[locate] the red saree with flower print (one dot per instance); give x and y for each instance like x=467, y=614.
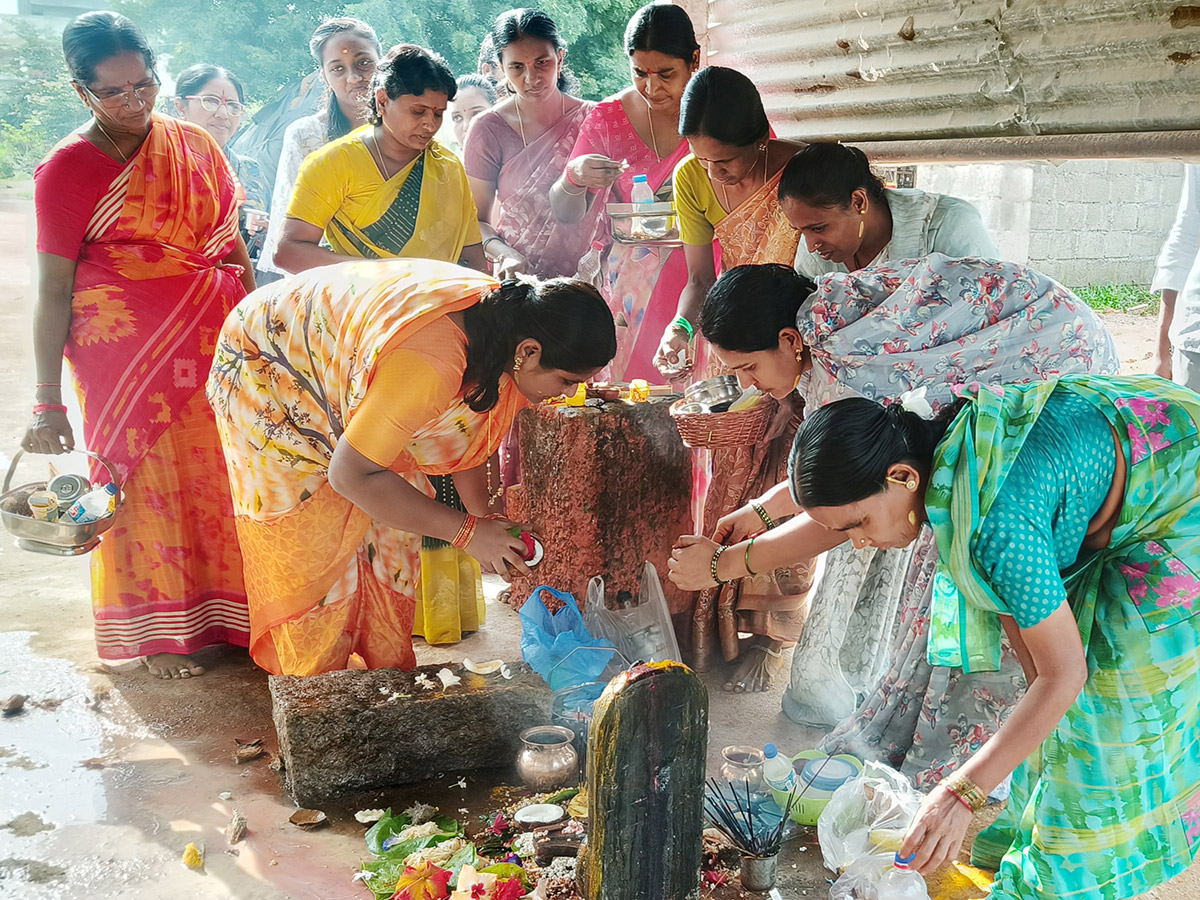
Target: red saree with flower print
x=150, y=295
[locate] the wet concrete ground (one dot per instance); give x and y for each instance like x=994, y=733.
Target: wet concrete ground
x=106, y=776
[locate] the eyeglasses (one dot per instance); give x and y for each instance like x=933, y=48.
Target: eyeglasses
x=211, y=103
x=143, y=93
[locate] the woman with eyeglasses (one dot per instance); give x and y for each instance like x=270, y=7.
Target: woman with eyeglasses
x=212, y=97
x=139, y=262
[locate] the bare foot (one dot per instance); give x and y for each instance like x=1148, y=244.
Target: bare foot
x=172, y=665
x=761, y=665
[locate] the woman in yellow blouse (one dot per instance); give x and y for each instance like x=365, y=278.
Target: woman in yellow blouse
x=340, y=395
x=387, y=189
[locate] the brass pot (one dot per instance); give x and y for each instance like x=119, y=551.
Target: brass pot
x=547, y=759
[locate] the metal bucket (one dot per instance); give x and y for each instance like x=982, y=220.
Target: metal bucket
x=57, y=538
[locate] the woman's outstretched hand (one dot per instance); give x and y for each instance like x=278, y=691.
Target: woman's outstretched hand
x=48, y=432
x=690, y=565
x=496, y=549
x=937, y=831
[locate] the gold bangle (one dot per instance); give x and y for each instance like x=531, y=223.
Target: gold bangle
x=966, y=790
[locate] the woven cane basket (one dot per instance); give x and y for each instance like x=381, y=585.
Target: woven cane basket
x=726, y=429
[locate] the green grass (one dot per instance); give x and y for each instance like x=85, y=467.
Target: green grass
x=1130, y=298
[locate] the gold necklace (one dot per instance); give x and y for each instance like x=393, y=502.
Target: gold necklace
x=653, y=139
x=124, y=158
x=521, y=122
x=725, y=193
x=377, y=154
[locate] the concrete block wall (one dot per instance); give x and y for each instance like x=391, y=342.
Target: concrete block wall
x=1083, y=222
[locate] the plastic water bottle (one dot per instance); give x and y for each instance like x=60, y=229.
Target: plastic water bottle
x=777, y=770
x=902, y=883
x=589, y=266
x=651, y=226
x=94, y=505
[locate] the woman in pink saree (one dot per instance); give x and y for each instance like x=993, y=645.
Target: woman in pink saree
x=636, y=132
x=516, y=150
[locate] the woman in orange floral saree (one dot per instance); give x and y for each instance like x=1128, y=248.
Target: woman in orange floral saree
x=726, y=193
x=338, y=392
x=139, y=261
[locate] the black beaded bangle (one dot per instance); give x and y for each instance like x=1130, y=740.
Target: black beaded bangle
x=716, y=556
x=763, y=514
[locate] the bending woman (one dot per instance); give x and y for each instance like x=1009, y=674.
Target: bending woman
x=636, y=132
x=338, y=392
x=388, y=189
x=849, y=220
x=726, y=196
x=1066, y=516
x=925, y=324
x=136, y=274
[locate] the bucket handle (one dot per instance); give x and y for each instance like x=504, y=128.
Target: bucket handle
x=112, y=470
x=624, y=658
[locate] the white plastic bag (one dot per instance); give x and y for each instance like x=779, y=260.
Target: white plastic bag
x=643, y=632
x=867, y=816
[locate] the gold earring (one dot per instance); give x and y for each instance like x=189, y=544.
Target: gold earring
x=911, y=484
x=517, y=363
x=912, y=517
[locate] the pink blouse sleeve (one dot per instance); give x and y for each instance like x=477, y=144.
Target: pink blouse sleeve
x=483, y=156
x=593, y=135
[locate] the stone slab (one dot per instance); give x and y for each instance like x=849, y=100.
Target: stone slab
x=350, y=731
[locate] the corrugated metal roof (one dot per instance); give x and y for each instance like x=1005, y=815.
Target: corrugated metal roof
x=953, y=69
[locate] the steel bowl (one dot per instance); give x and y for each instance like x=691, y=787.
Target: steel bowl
x=713, y=391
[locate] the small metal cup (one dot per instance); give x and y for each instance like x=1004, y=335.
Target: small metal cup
x=759, y=873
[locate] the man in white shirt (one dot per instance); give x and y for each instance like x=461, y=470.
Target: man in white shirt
x=1177, y=277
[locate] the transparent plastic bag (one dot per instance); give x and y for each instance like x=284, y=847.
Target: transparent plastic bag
x=643, y=632
x=867, y=816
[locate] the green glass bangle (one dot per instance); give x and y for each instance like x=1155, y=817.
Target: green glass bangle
x=747, y=560
x=681, y=322
x=716, y=556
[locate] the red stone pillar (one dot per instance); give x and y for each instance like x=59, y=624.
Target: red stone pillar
x=605, y=489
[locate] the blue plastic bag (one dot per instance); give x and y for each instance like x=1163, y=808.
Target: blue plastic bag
x=547, y=641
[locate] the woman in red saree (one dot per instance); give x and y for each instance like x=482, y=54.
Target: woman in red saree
x=140, y=260
x=516, y=150
x=636, y=132
x=726, y=193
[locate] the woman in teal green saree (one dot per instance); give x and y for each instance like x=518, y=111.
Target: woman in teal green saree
x=1065, y=513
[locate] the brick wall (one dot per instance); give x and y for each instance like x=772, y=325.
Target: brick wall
x=1081, y=221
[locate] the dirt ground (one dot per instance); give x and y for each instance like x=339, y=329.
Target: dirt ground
x=108, y=775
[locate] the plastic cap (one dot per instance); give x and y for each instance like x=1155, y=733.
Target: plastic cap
x=637, y=178
x=770, y=751
x=902, y=862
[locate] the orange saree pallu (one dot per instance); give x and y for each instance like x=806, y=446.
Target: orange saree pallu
x=150, y=295
x=293, y=363
x=771, y=603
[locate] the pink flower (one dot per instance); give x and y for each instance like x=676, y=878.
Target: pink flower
x=1137, y=593
x=1151, y=412
x=1178, y=590
x=1135, y=572
x=1176, y=566
x=1154, y=548
x=1138, y=443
